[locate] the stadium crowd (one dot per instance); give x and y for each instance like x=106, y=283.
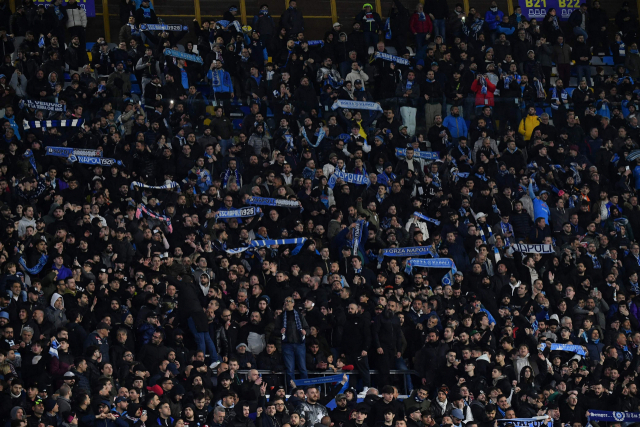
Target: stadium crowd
x=184, y=233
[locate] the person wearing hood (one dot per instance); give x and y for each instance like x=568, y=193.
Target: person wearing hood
x=371, y=24
x=55, y=313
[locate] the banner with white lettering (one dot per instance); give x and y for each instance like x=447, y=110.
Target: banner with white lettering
x=533, y=249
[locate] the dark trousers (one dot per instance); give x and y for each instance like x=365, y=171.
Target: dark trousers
x=385, y=363
x=564, y=72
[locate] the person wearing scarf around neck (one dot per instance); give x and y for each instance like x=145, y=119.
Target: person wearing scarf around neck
x=484, y=90
x=294, y=330
x=421, y=26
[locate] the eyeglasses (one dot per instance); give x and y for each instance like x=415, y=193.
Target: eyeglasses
x=288, y=301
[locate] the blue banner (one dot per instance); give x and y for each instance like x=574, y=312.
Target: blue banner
x=183, y=55
x=356, y=105
x=427, y=155
x=538, y=8
x=564, y=347
x=613, y=416
x=348, y=177
x=66, y=152
x=261, y=243
x=392, y=58
x=318, y=380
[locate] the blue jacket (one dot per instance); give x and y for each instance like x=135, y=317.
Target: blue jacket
x=490, y=19
x=223, y=83
x=540, y=208
x=456, y=125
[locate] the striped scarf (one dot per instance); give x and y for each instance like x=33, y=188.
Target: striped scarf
x=45, y=124
x=143, y=209
x=170, y=186
x=227, y=174
x=284, y=324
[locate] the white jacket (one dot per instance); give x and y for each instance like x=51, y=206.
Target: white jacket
x=76, y=18
x=421, y=225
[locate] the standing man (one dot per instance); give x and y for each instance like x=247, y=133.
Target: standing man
x=292, y=20
x=387, y=340
x=76, y=22
x=294, y=330
x=356, y=339
x=438, y=11
x=371, y=24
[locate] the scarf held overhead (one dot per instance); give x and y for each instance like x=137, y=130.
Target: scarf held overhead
x=67, y=152
x=533, y=249
x=183, y=55
x=392, y=58
x=143, y=209
x=356, y=105
x=348, y=177
x=239, y=213
x=49, y=106
x=45, y=124
x=170, y=186
x=267, y=201
x=261, y=243
x=427, y=155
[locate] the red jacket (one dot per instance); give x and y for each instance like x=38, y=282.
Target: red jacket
x=481, y=98
x=418, y=26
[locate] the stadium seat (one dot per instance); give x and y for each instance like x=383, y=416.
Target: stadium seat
x=90, y=46
x=570, y=90
x=608, y=60
x=135, y=88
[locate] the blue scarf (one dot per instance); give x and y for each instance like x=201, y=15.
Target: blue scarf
x=506, y=228
x=348, y=177
x=356, y=235
x=37, y=268
x=320, y=136
x=285, y=323
x=227, y=174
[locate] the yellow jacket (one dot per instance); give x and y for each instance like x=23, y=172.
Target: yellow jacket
x=527, y=125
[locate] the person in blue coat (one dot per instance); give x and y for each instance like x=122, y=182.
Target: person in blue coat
x=493, y=18
x=540, y=207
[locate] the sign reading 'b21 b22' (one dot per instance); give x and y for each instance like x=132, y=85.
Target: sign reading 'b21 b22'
x=538, y=8
x=88, y=5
